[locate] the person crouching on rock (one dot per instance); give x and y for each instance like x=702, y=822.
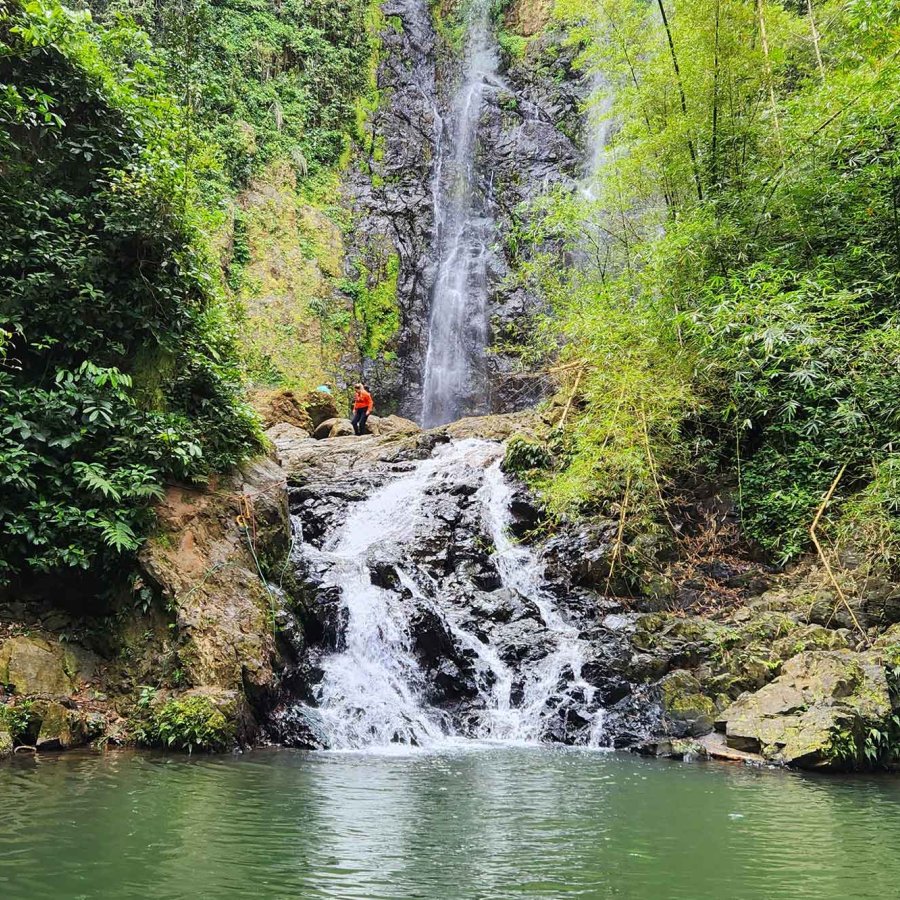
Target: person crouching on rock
x=362, y=408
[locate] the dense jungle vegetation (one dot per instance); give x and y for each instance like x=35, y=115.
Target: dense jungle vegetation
x=126, y=132
x=734, y=309
x=723, y=298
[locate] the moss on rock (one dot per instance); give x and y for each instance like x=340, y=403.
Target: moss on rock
x=821, y=712
x=685, y=704
x=197, y=720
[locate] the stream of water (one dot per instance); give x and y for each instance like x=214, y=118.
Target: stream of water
x=371, y=692
x=458, y=329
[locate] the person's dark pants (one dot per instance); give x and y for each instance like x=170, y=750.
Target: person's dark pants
x=359, y=420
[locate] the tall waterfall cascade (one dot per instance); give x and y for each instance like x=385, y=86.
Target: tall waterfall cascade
x=439, y=625
x=375, y=689
x=458, y=327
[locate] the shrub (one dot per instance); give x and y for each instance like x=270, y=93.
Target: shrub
x=525, y=455
x=188, y=723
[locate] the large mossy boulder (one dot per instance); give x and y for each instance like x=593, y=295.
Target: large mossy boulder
x=287, y=439
x=498, y=427
x=282, y=407
x=205, y=560
x=319, y=407
x=341, y=428
x=820, y=712
x=61, y=728
x=689, y=711
x=384, y=426
x=36, y=666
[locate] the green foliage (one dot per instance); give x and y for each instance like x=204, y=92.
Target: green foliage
x=102, y=265
x=513, y=46
x=19, y=719
x=870, y=518
x=186, y=723
x=524, y=455
x=375, y=306
x=450, y=23
x=240, y=253
x=265, y=81
x=739, y=257
x=868, y=746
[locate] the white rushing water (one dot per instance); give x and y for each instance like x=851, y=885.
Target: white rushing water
x=458, y=327
x=371, y=692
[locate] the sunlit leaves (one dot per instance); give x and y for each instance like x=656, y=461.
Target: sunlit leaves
x=117, y=371
x=778, y=292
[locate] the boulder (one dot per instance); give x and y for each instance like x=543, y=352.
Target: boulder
x=816, y=714
x=281, y=407
x=341, y=428
x=881, y=604
x=35, y=666
x=583, y=556
x=61, y=728
x=287, y=439
x=320, y=407
x=391, y=425
x=294, y=725
x=690, y=712
x=497, y=427
x=6, y=743
x=811, y=637
x=323, y=429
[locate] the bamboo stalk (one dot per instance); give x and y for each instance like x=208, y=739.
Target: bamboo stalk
x=765, y=45
x=815, y=539
x=714, y=165
x=619, y=534
x=815, y=38
x=652, y=465
x=615, y=418
x=683, y=97
x=562, y=419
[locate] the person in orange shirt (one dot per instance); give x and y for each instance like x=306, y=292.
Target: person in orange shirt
x=362, y=408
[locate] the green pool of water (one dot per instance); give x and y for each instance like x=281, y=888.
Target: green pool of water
x=468, y=824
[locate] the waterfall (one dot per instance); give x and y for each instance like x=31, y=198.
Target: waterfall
x=598, y=131
x=375, y=689
x=458, y=328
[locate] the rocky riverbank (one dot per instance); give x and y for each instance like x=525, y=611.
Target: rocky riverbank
x=228, y=624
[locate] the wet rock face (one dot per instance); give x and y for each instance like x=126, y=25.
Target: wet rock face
x=390, y=192
x=527, y=141
x=528, y=144
x=457, y=606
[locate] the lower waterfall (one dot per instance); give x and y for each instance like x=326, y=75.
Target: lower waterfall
x=411, y=663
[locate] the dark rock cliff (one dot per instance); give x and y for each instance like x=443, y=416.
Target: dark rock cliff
x=529, y=139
